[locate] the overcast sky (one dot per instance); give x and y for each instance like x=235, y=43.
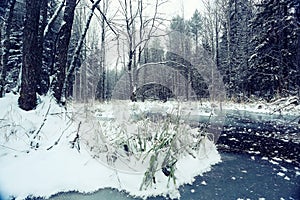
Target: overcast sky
x=171, y=7
x=175, y=7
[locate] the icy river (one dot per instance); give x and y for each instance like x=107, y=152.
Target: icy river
x=239, y=176
x=260, y=160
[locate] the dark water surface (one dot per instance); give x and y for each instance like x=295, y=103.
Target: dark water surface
x=239, y=176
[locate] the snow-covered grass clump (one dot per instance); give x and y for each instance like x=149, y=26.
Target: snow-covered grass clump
x=89, y=147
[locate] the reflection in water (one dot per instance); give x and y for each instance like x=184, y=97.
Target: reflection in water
x=238, y=176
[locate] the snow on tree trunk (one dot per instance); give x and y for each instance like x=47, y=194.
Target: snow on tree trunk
x=62, y=49
x=43, y=75
x=27, y=99
x=53, y=18
x=6, y=45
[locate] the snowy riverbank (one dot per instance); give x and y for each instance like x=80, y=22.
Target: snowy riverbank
x=37, y=157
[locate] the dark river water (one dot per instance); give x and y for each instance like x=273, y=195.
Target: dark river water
x=239, y=176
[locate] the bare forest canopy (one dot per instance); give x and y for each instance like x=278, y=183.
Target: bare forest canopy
x=83, y=50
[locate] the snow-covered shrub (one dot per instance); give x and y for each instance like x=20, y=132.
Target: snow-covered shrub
x=146, y=142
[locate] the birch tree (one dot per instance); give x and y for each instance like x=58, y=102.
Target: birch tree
x=213, y=16
x=102, y=72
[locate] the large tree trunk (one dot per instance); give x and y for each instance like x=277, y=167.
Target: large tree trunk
x=27, y=99
x=1, y=60
x=6, y=45
x=298, y=52
x=43, y=74
x=62, y=49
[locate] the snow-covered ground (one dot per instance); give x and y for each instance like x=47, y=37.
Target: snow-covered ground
x=51, y=150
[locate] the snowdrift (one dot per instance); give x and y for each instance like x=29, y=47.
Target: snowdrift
x=87, y=148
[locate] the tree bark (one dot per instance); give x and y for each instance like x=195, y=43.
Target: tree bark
x=62, y=50
x=42, y=73
x=27, y=99
x=6, y=45
x=298, y=53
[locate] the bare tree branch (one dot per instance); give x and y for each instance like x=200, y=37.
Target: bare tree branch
x=77, y=50
x=53, y=18
x=104, y=17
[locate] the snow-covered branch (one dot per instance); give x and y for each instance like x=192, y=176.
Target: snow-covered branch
x=78, y=49
x=53, y=18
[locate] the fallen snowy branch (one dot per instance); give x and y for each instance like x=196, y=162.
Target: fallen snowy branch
x=76, y=139
x=34, y=144
x=60, y=113
x=44, y=121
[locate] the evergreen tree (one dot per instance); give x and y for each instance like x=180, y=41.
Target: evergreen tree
x=153, y=53
x=195, y=28
x=235, y=46
x=179, y=42
x=156, y=52
x=275, y=62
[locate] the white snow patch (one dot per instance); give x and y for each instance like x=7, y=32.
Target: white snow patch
x=280, y=174
x=277, y=159
x=264, y=158
x=273, y=162
x=203, y=183
x=37, y=159
x=288, y=160
x=284, y=169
